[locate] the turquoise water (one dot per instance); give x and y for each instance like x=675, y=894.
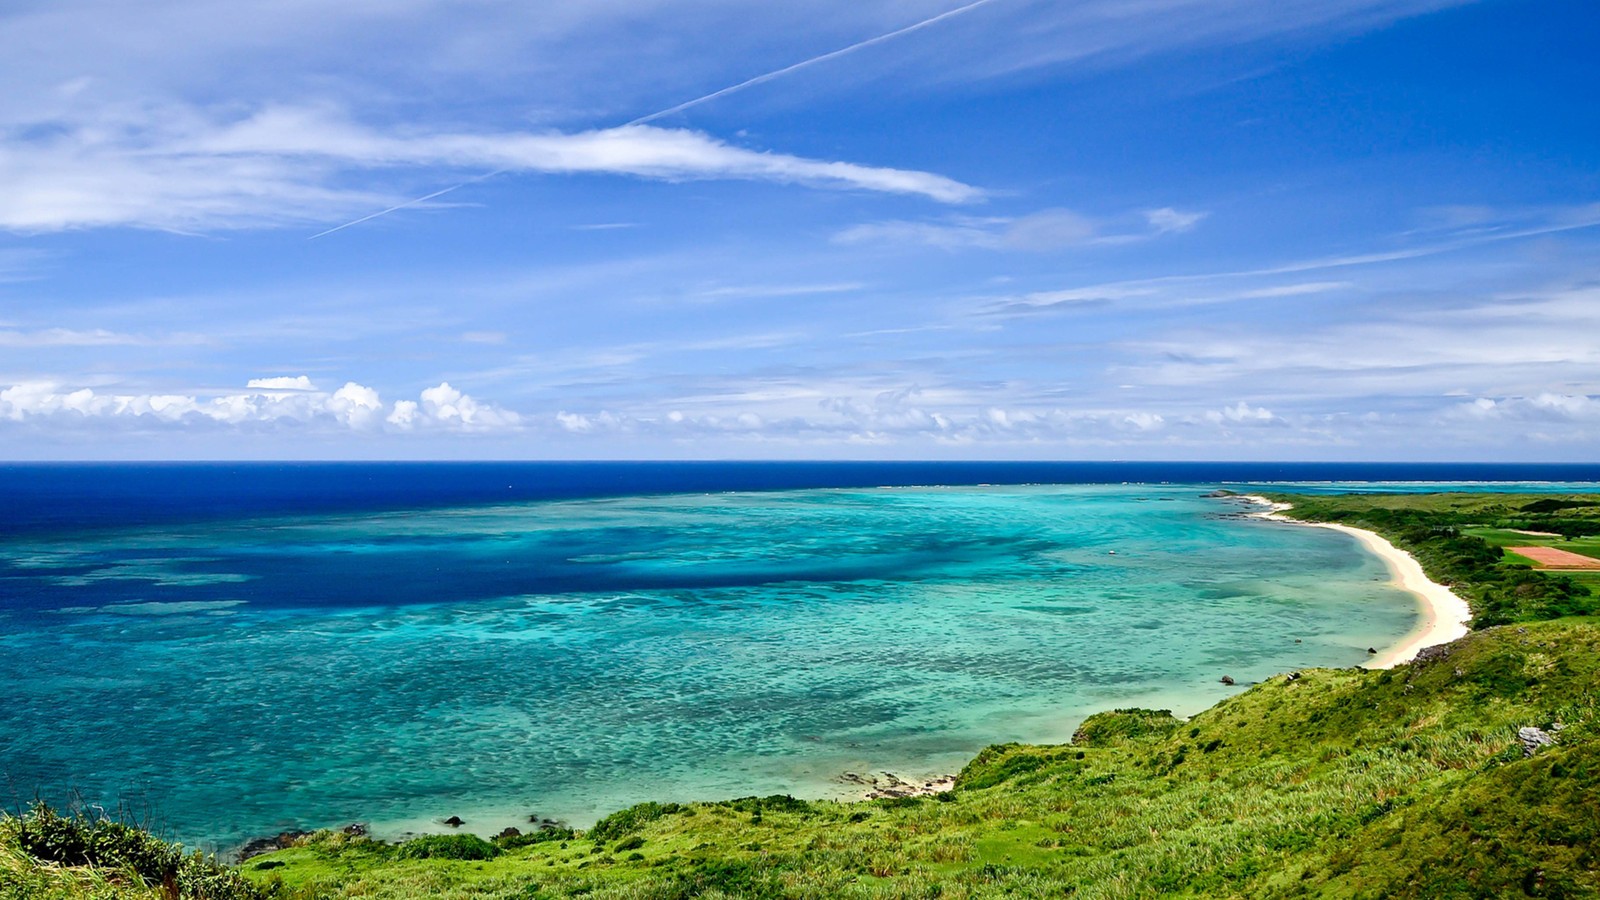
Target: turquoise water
x=567, y=658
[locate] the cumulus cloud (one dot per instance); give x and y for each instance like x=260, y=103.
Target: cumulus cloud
x=177, y=168
x=282, y=383
x=442, y=406
x=355, y=405
x=1145, y=421
x=268, y=402
x=1546, y=407
x=1242, y=413
x=910, y=414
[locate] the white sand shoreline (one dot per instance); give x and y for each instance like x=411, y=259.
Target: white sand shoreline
x=1444, y=615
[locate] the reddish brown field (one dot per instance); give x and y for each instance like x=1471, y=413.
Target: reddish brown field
x=1551, y=558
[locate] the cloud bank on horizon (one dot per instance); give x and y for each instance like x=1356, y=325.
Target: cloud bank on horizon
x=711, y=228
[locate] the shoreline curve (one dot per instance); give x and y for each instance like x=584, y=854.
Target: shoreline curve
x=1445, y=616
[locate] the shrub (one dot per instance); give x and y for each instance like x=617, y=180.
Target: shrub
x=542, y=836
x=770, y=803
x=448, y=846
x=1111, y=728
x=48, y=836
x=627, y=821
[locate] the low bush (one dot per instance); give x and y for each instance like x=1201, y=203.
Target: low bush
x=625, y=822
x=448, y=846
x=106, y=844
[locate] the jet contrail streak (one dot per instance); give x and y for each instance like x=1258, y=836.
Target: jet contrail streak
x=834, y=54
x=687, y=104
x=384, y=212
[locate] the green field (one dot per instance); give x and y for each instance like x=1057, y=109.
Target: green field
x=1503, y=537
x=1411, y=782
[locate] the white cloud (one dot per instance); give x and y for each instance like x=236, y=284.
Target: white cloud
x=1167, y=220
x=1043, y=231
x=355, y=405
x=833, y=414
x=271, y=401
x=1242, y=413
x=1145, y=421
x=442, y=407
x=282, y=383
x=1301, y=289
x=449, y=408
x=591, y=55
x=404, y=416
x=1546, y=407
x=179, y=169
x=67, y=337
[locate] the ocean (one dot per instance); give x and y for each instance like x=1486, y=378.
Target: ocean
x=233, y=650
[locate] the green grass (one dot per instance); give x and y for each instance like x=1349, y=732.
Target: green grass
x=1407, y=783
x=1502, y=537
x=47, y=855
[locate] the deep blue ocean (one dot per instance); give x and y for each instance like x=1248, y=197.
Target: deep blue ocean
x=81, y=495
x=239, y=649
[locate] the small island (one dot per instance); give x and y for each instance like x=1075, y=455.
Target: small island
x=1470, y=769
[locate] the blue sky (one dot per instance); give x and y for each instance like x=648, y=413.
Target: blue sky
x=1083, y=229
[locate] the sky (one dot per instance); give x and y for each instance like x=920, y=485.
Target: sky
x=874, y=229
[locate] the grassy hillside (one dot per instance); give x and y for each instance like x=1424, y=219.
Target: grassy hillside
x=1412, y=782
x=46, y=856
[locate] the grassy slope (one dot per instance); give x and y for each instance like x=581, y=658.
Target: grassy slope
x=1340, y=783
x=46, y=856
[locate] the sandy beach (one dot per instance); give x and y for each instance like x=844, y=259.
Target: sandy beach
x=1444, y=615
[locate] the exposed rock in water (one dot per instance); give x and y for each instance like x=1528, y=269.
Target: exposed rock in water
x=1373, y=650
x=282, y=841
x=509, y=832
x=1227, y=679
x=892, y=786
x=355, y=829
x=454, y=822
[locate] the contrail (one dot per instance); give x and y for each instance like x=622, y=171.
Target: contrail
x=834, y=54
x=422, y=199
x=687, y=104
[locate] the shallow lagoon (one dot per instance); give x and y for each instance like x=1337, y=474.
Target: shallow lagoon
x=567, y=658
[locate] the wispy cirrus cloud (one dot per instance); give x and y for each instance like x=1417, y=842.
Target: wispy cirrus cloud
x=1043, y=231
x=94, y=337
x=586, y=56
x=177, y=168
